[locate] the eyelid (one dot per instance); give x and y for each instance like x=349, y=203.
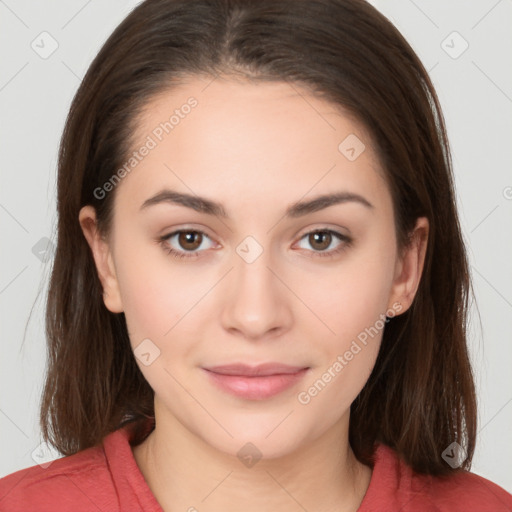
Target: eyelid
x=324, y=227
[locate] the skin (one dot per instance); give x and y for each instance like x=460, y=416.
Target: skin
x=255, y=148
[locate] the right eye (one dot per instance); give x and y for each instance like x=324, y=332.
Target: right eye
x=186, y=243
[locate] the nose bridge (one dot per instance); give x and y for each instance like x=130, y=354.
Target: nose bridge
x=255, y=303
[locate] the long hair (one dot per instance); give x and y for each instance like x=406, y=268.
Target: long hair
x=420, y=396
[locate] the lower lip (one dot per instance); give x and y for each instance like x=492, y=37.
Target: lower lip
x=256, y=388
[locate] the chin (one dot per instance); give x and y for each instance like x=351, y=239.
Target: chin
x=267, y=439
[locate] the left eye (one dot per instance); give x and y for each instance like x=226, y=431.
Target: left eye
x=320, y=240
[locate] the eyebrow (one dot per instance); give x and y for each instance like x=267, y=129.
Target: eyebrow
x=297, y=209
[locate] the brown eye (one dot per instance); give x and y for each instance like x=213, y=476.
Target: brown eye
x=325, y=242
x=320, y=240
x=186, y=243
x=190, y=240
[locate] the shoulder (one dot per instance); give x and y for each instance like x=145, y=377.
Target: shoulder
x=77, y=482
x=467, y=491
x=395, y=486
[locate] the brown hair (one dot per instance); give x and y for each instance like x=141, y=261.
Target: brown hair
x=420, y=396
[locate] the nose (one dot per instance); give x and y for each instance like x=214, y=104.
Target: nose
x=257, y=303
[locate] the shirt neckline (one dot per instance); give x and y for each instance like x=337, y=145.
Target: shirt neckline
x=130, y=482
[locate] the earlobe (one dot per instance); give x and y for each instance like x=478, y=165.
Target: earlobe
x=409, y=267
x=102, y=255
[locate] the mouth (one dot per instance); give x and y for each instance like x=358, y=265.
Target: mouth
x=255, y=382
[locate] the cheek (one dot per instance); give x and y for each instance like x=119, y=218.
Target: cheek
x=330, y=392
x=156, y=292
x=351, y=301
x=163, y=306
x=353, y=306
x=351, y=296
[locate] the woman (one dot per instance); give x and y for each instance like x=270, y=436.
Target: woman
x=260, y=287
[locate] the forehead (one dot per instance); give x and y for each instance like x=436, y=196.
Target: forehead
x=233, y=139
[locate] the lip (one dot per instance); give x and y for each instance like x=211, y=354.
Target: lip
x=255, y=382
x=262, y=370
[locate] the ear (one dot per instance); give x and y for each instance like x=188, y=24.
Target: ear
x=103, y=258
x=409, y=266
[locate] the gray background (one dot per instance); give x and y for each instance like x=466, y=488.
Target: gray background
x=475, y=90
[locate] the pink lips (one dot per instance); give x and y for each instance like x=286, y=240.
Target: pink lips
x=255, y=382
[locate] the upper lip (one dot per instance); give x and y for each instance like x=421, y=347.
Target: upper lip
x=258, y=370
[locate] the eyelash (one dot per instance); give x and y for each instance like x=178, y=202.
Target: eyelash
x=347, y=242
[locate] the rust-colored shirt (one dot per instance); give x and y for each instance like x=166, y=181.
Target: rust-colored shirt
x=106, y=478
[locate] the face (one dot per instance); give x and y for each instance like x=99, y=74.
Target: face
x=250, y=267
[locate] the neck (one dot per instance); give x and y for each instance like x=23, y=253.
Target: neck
x=186, y=473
